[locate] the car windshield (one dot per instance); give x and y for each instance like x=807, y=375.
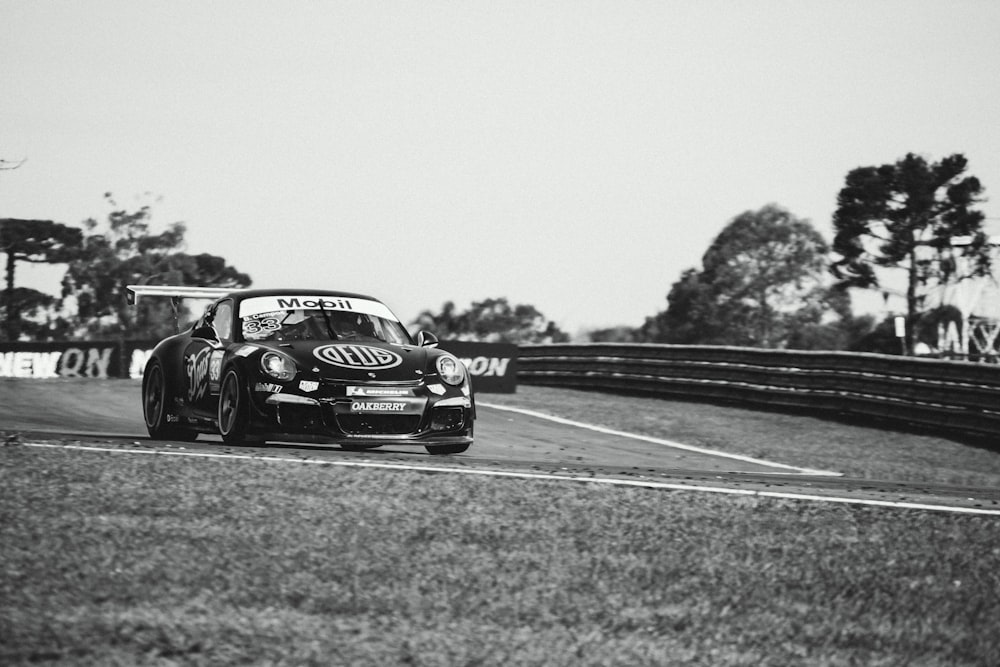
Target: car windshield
x=322, y=325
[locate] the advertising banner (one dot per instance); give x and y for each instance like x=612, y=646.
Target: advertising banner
x=49, y=360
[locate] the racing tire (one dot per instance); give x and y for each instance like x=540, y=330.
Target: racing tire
x=234, y=409
x=447, y=449
x=156, y=396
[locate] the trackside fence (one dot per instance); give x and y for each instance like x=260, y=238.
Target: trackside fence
x=949, y=396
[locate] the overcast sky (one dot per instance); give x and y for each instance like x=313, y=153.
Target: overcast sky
x=577, y=156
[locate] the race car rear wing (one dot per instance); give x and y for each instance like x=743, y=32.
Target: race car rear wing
x=133, y=292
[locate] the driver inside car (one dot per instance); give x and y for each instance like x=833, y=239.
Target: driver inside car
x=298, y=325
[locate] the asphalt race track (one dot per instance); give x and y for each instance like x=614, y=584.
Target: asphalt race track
x=106, y=414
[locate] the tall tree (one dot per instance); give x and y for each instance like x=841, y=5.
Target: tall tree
x=33, y=241
x=914, y=216
x=492, y=320
x=123, y=250
x=763, y=281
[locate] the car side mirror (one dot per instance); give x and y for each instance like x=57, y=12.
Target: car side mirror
x=204, y=332
x=426, y=339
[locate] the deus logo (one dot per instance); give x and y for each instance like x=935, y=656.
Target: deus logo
x=357, y=356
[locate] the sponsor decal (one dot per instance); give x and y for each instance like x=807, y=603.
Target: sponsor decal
x=269, y=387
x=271, y=306
x=384, y=406
x=357, y=356
x=308, y=385
x=378, y=391
x=316, y=303
x=261, y=326
x=196, y=366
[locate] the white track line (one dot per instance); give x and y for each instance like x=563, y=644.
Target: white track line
x=530, y=475
x=666, y=443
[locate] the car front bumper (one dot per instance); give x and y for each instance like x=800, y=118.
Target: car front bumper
x=420, y=420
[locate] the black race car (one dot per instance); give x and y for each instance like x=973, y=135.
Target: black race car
x=304, y=365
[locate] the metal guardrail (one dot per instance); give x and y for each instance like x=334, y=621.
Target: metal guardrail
x=945, y=396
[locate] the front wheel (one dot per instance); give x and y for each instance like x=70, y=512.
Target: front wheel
x=234, y=409
x=156, y=398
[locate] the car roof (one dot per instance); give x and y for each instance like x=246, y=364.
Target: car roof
x=241, y=294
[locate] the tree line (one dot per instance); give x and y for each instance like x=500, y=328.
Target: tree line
x=769, y=279
x=101, y=259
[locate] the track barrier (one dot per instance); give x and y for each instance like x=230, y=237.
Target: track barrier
x=959, y=398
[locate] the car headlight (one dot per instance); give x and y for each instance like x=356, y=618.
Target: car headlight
x=278, y=366
x=450, y=369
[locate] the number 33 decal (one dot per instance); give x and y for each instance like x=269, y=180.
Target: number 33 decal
x=262, y=325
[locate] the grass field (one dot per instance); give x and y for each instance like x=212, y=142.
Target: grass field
x=132, y=559
x=142, y=560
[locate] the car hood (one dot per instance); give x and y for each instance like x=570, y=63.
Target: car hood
x=357, y=361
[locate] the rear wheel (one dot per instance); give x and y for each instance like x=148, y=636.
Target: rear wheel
x=234, y=409
x=156, y=399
